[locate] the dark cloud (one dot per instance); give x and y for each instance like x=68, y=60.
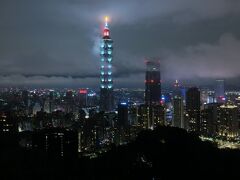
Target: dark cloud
x=55, y=43
x=218, y=60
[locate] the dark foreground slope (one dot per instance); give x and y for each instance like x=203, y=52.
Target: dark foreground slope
x=165, y=153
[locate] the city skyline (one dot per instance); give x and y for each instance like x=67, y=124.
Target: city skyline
x=55, y=43
x=119, y=89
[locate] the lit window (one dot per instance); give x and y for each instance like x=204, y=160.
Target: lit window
x=109, y=59
x=102, y=73
x=109, y=66
x=109, y=52
x=109, y=73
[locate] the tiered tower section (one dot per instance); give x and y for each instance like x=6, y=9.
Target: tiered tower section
x=106, y=80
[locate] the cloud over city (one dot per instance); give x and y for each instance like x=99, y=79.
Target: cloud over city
x=54, y=43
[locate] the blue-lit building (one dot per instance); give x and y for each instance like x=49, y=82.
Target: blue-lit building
x=106, y=80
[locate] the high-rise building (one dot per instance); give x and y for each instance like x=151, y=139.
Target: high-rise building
x=178, y=110
x=177, y=89
x=51, y=101
x=91, y=99
x=220, y=120
x=106, y=85
x=157, y=116
x=82, y=97
x=25, y=98
x=153, y=94
x=69, y=101
x=143, y=114
x=228, y=121
x=209, y=119
x=193, y=109
x=123, y=115
x=152, y=83
x=220, y=91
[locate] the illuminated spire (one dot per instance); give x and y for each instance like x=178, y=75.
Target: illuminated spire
x=106, y=21
x=106, y=79
x=106, y=31
x=176, y=84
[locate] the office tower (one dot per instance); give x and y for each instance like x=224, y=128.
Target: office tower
x=123, y=124
x=204, y=96
x=133, y=114
x=177, y=89
x=46, y=106
x=228, y=121
x=123, y=114
x=92, y=99
x=151, y=116
x=220, y=91
x=157, y=115
x=220, y=120
x=25, y=98
x=209, y=120
x=178, y=109
x=106, y=80
x=152, y=83
x=83, y=97
x=143, y=114
x=51, y=101
x=153, y=94
x=211, y=97
x=69, y=101
x=193, y=109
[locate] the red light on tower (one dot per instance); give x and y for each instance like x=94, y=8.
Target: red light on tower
x=106, y=32
x=83, y=91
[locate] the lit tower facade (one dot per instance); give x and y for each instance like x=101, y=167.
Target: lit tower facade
x=154, y=108
x=152, y=83
x=106, y=80
x=193, y=109
x=178, y=108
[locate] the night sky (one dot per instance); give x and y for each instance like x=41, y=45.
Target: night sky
x=55, y=42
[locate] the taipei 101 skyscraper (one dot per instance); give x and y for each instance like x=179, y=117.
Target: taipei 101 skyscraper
x=106, y=80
